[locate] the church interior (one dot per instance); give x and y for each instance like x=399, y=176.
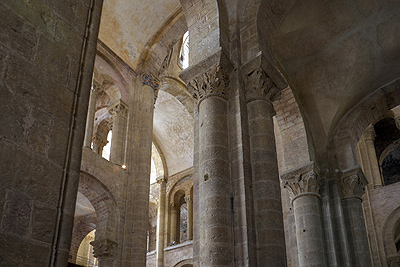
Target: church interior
x=180, y=133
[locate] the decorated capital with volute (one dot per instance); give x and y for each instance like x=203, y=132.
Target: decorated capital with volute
x=104, y=248
x=152, y=81
x=262, y=80
x=209, y=77
x=352, y=183
x=304, y=180
x=119, y=109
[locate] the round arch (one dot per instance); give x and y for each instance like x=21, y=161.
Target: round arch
x=185, y=263
x=104, y=205
x=390, y=230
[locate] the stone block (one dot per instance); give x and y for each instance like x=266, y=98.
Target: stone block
x=43, y=223
x=17, y=214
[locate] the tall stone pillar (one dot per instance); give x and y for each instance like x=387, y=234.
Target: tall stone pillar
x=260, y=92
x=369, y=137
x=94, y=92
x=189, y=203
x=208, y=81
x=303, y=186
x=139, y=167
x=161, y=221
x=119, y=111
x=174, y=219
x=104, y=250
x=352, y=185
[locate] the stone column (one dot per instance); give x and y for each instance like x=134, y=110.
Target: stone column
x=303, y=186
x=352, y=185
x=94, y=92
x=139, y=167
x=174, y=219
x=161, y=221
x=104, y=250
x=119, y=112
x=369, y=137
x=189, y=204
x=208, y=81
x=260, y=92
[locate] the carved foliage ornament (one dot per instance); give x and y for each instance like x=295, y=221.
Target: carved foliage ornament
x=302, y=182
x=96, y=87
x=353, y=183
x=119, y=109
x=260, y=86
x=150, y=80
x=211, y=83
x=103, y=248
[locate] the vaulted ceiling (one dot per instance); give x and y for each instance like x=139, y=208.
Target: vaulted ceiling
x=127, y=26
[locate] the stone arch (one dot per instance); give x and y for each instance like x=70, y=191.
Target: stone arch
x=106, y=70
x=104, y=205
x=389, y=234
x=185, y=263
x=344, y=139
x=159, y=160
x=82, y=227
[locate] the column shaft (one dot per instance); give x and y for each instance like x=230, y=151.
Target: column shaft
x=352, y=185
x=369, y=137
x=119, y=112
x=309, y=231
x=214, y=187
x=189, y=202
x=142, y=179
x=266, y=185
x=160, y=222
x=174, y=217
x=90, y=117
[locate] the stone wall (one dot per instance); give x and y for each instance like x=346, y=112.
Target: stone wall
x=45, y=75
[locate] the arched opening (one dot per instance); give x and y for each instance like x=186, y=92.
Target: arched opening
x=152, y=228
x=85, y=252
x=184, y=52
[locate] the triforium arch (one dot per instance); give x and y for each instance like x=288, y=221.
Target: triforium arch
x=391, y=237
x=185, y=263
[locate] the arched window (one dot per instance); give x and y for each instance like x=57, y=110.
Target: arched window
x=85, y=252
x=107, y=147
x=184, y=54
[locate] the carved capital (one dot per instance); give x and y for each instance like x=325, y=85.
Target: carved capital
x=369, y=133
x=162, y=179
x=262, y=80
x=119, y=109
x=352, y=183
x=150, y=80
x=104, y=248
x=302, y=180
x=99, y=141
x=209, y=77
x=214, y=82
x=97, y=88
x=260, y=87
x=188, y=199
